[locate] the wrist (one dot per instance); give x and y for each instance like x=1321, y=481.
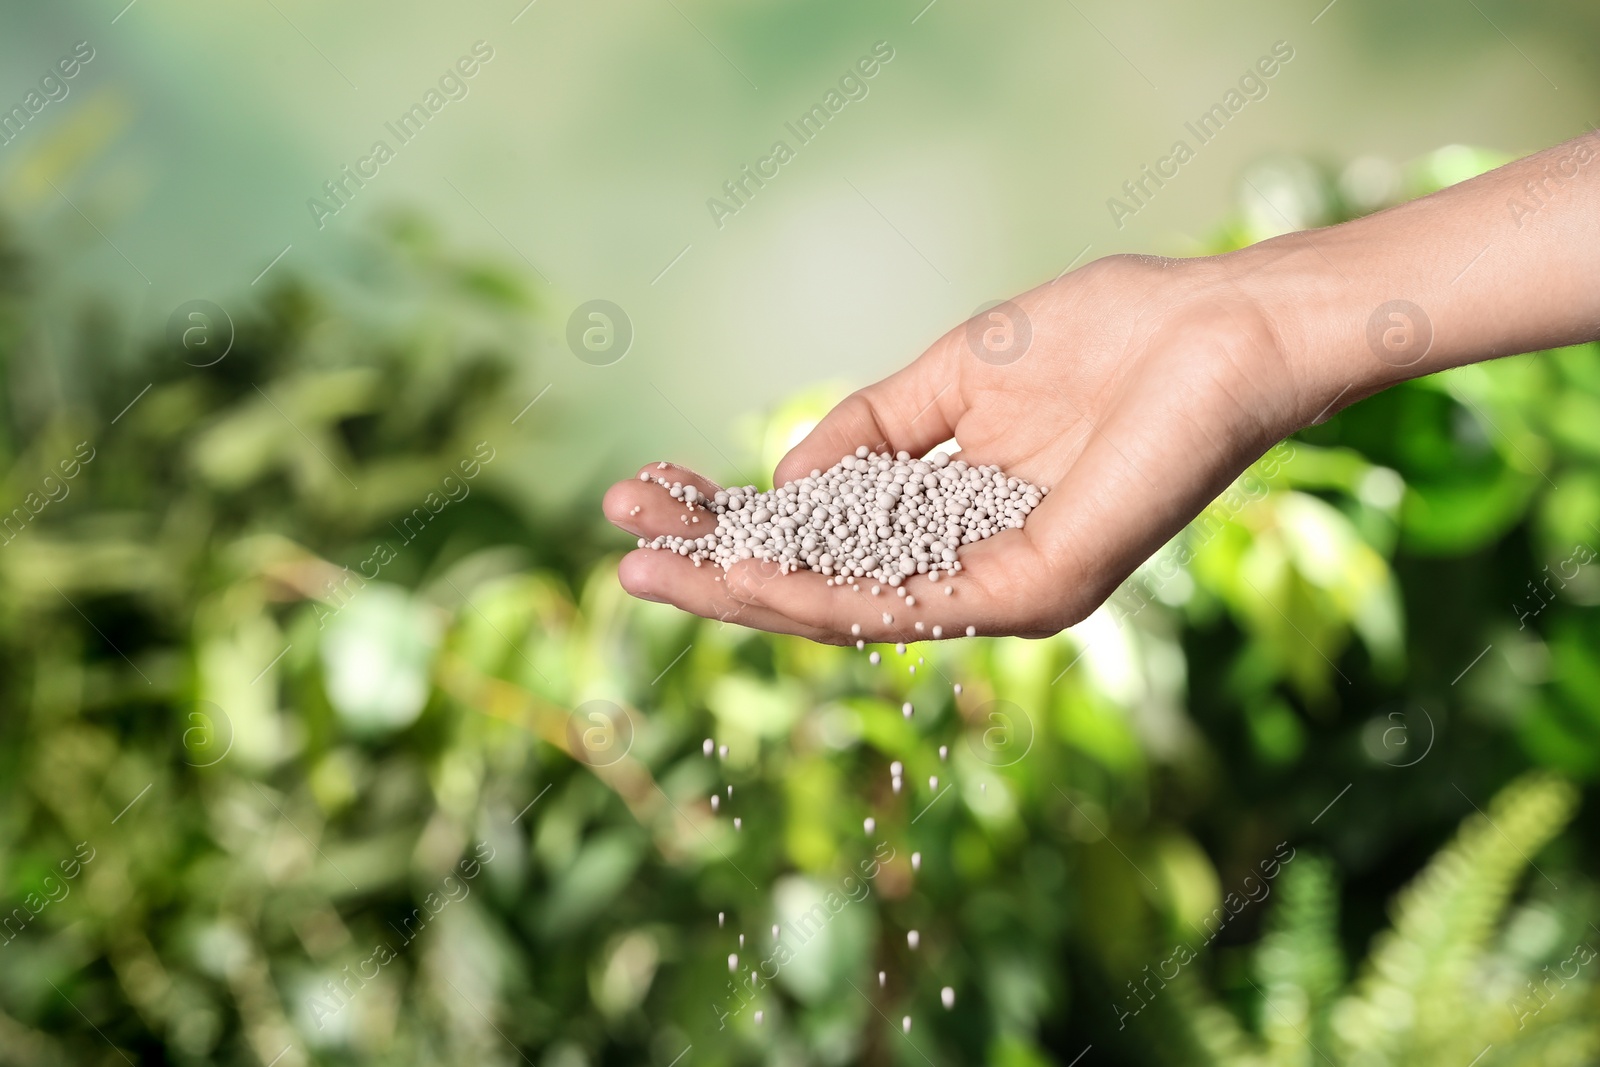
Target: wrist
x=1337, y=343
x=1465, y=274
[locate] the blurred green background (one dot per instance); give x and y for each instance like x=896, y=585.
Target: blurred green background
x=328, y=737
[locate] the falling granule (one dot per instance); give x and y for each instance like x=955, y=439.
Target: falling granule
x=933, y=781
x=882, y=978
x=716, y=802
x=741, y=942
x=855, y=629
x=860, y=645
x=938, y=631
x=906, y=709
x=722, y=752
x=949, y=591
x=875, y=590
x=900, y=648
x=896, y=769
x=944, y=753
x=874, y=659
x=905, y=1025
x=917, y=626
x=708, y=747
x=887, y=618
x=913, y=668
x=947, y=997
x=913, y=939
x=738, y=823
x=916, y=861
x=721, y=917
x=983, y=787
x=759, y=1017
x=957, y=688
x=869, y=824
x=897, y=783
x=920, y=659
x=733, y=962
x=911, y=601
x=972, y=631
x=730, y=792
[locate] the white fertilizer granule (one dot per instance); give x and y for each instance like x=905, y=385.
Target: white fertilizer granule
x=870, y=515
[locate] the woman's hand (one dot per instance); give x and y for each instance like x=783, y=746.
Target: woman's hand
x=1135, y=389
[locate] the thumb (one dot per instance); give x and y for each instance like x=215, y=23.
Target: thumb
x=911, y=410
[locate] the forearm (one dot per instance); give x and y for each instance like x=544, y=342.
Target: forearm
x=1504, y=263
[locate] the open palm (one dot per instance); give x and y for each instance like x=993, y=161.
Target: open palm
x=1135, y=389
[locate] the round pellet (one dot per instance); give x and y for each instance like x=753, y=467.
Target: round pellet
x=872, y=515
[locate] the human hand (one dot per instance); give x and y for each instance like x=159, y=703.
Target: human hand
x=1148, y=385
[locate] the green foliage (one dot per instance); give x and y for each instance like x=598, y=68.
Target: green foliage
x=1407, y=1006
x=1433, y=990
x=306, y=640
x=1300, y=964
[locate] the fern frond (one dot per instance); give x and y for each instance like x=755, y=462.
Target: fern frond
x=1563, y=1034
x=1413, y=1001
x=1300, y=965
x=1192, y=1028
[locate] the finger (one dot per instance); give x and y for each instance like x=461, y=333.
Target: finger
x=911, y=410
x=646, y=509
x=666, y=577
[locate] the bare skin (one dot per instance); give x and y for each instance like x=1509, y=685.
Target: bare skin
x=1150, y=384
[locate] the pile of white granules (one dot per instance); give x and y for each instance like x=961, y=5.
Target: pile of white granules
x=874, y=516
